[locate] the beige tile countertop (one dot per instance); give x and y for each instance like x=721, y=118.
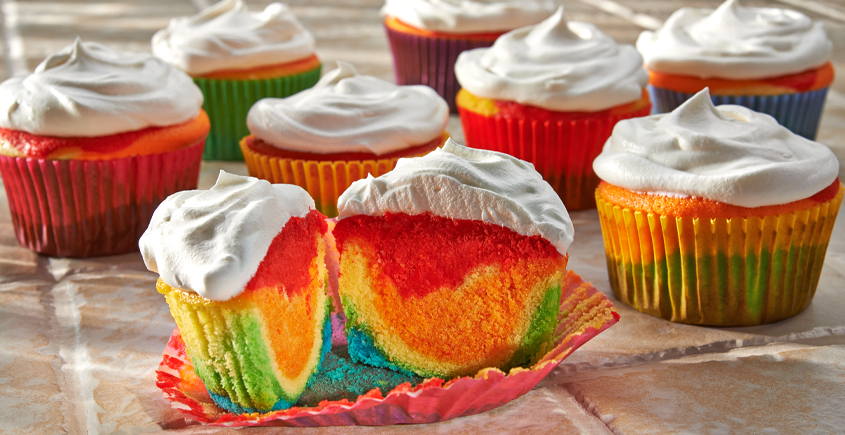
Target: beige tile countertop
x=80, y=340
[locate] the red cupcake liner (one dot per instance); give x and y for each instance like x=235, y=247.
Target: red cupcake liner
x=561, y=151
x=90, y=208
x=430, y=61
x=584, y=313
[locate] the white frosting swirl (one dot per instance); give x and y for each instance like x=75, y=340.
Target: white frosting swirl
x=728, y=154
x=556, y=65
x=228, y=36
x=347, y=112
x=87, y=89
x=211, y=242
x=465, y=183
x=734, y=42
x=469, y=16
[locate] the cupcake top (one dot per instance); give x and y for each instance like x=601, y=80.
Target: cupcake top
x=469, y=16
x=464, y=183
x=228, y=36
x=730, y=154
x=210, y=242
x=556, y=65
x=735, y=42
x=346, y=112
x=88, y=89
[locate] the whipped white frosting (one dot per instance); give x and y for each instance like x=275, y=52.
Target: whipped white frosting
x=87, y=89
x=556, y=65
x=465, y=183
x=735, y=42
x=228, y=36
x=347, y=112
x=211, y=242
x=469, y=16
x=728, y=153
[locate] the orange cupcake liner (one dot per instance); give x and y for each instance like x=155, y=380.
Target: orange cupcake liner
x=719, y=271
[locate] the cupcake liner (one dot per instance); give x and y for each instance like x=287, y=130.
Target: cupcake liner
x=561, y=151
x=800, y=112
x=584, y=313
x=721, y=272
x=324, y=180
x=430, y=61
x=90, y=208
x=228, y=102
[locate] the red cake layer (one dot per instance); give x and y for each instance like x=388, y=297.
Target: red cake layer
x=295, y=248
x=261, y=147
x=422, y=253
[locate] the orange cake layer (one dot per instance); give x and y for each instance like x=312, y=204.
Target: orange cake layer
x=811, y=80
x=265, y=71
x=394, y=23
x=704, y=208
x=261, y=147
x=151, y=140
x=490, y=107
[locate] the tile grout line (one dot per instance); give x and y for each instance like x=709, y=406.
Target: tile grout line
x=590, y=407
x=13, y=53
x=613, y=8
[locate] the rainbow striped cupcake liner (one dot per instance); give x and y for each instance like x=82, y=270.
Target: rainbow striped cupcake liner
x=721, y=272
x=227, y=103
x=800, y=112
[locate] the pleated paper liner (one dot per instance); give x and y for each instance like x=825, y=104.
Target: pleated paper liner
x=323, y=180
x=721, y=272
x=561, y=151
x=800, y=112
x=430, y=61
x=228, y=102
x=90, y=208
x=584, y=313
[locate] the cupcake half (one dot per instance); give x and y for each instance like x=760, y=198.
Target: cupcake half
x=426, y=36
x=550, y=94
x=774, y=61
x=242, y=268
x=91, y=142
x=344, y=128
x=237, y=57
x=715, y=215
x=452, y=263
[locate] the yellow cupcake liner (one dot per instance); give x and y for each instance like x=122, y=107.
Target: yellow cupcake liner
x=722, y=272
x=324, y=180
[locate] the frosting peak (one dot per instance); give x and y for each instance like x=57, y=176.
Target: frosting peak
x=729, y=154
x=347, y=112
x=211, y=242
x=87, y=89
x=464, y=183
x=735, y=42
x=228, y=35
x=469, y=16
x=556, y=65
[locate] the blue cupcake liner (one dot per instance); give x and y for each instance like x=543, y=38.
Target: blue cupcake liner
x=800, y=112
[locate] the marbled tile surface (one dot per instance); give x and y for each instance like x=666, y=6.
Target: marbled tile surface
x=80, y=339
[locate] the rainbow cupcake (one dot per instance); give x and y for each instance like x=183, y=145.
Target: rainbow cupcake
x=774, y=61
x=91, y=142
x=238, y=57
x=346, y=127
x=715, y=215
x=242, y=268
x=550, y=94
x=452, y=263
x=426, y=36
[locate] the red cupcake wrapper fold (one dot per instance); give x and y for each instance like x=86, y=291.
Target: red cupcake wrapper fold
x=90, y=208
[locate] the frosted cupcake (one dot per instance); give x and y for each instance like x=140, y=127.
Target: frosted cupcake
x=426, y=36
x=242, y=268
x=345, y=127
x=715, y=215
x=452, y=263
x=237, y=56
x=550, y=94
x=91, y=142
x=775, y=61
